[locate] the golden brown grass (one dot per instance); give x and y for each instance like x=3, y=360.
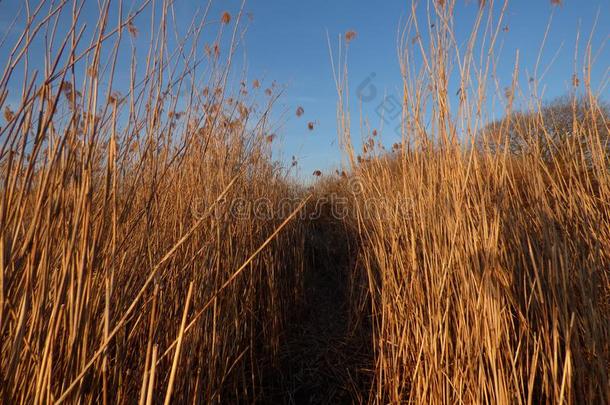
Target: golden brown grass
x=464, y=270
x=124, y=274
x=488, y=268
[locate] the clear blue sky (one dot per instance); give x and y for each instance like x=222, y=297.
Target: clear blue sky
x=287, y=42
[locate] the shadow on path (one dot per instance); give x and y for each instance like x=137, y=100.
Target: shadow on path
x=324, y=360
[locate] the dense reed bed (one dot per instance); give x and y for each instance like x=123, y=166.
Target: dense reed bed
x=485, y=246
x=152, y=252
x=128, y=273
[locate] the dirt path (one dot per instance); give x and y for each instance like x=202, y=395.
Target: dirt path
x=324, y=362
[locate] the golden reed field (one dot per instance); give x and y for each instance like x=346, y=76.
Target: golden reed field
x=152, y=251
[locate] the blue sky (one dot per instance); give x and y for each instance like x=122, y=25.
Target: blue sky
x=286, y=41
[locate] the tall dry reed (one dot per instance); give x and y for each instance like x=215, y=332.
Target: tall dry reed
x=126, y=273
x=488, y=266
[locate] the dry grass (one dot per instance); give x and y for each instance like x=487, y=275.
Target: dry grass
x=489, y=283
x=488, y=271
x=114, y=202
x=460, y=272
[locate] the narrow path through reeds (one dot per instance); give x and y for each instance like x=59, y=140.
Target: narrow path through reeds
x=326, y=358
